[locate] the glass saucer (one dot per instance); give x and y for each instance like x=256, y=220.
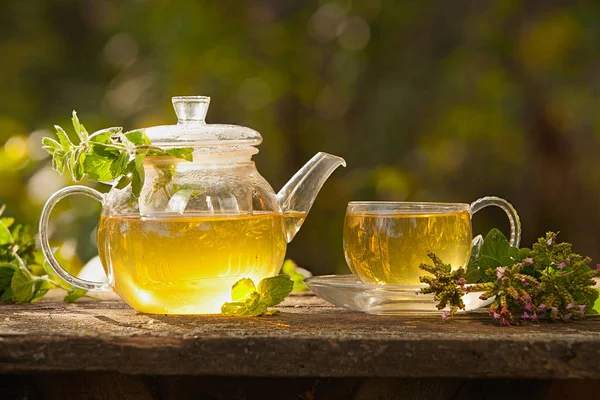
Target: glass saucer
x=349, y=292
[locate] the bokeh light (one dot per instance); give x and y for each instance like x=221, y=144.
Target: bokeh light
x=445, y=101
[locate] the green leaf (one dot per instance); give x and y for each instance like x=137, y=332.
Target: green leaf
x=234, y=309
x=79, y=129
x=290, y=269
x=56, y=151
x=253, y=303
x=42, y=285
x=79, y=166
x=495, y=252
x=593, y=302
x=137, y=179
x=75, y=164
x=473, y=274
x=123, y=182
x=119, y=167
x=5, y=235
x=104, y=136
x=58, y=162
x=152, y=152
x=249, y=302
x=63, y=138
x=7, y=296
x=99, y=167
x=524, y=252
x=495, y=245
x=51, y=146
x=274, y=289
x=138, y=137
x=7, y=221
x=487, y=262
x=23, y=285
x=242, y=289
x=109, y=150
x=75, y=294
x=184, y=153
x=46, y=269
x=6, y=274
x=127, y=175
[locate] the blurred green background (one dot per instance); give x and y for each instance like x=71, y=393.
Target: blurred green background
x=427, y=101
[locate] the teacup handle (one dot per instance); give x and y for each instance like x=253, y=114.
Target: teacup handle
x=511, y=213
x=52, y=201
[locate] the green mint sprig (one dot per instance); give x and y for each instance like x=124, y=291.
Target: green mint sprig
x=108, y=156
x=24, y=276
x=248, y=300
x=549, y=281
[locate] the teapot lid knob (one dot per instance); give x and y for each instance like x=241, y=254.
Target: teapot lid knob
x=191, y=108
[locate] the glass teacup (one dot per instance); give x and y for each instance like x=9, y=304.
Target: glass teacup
x=385, y=242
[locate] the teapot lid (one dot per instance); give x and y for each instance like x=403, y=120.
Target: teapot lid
x=192, y=130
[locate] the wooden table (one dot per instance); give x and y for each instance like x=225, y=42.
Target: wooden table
x=53, y=347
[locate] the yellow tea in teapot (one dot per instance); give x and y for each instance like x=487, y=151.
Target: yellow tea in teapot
x=187, y=264
x=388, y=248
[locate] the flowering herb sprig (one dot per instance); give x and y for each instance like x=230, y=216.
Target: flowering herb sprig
x=549, y=281
x=447, y=285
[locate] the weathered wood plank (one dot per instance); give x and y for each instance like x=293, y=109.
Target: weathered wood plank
x=309, y=338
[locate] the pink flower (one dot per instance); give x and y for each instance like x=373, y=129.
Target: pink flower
x=570, y=305
x=460, y=281
x=500, y=272
x=542, y=307
x=528, y=306
x=528, y=260
x=568, y=317
x=561, y=265
x=597, y=266
x=525, y=316
x=534, y=317
x=445, y=314
x=581, y=309
x=496, y=315
x=524, y=281
x=549, y=242
x=554, y=309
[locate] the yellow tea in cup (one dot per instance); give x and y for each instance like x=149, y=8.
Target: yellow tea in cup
x=385, y=242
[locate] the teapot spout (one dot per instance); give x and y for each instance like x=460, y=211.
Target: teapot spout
x=298, y=195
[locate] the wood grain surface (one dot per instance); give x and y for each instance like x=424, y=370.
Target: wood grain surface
x=310, y=338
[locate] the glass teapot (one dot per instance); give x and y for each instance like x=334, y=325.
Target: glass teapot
x=197, y=227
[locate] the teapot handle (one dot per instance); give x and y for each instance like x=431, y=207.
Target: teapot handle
x=511, y=213
x=52, y=201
